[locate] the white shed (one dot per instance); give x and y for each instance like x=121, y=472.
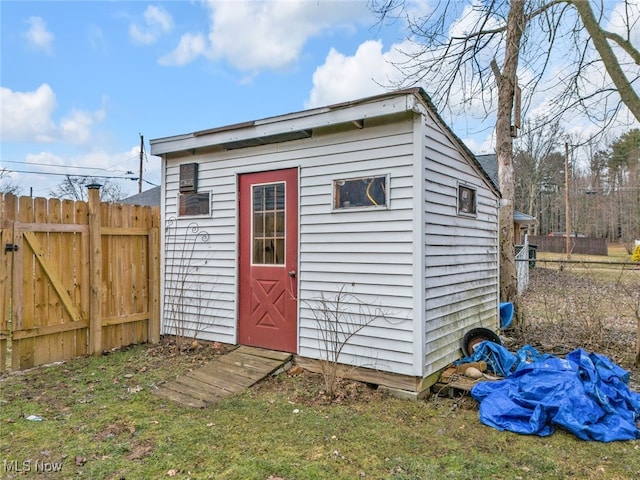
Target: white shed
x=374, y=202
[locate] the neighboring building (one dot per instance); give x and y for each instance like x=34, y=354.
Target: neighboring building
x=521, y=221
x=148, y=198
x=376, y=198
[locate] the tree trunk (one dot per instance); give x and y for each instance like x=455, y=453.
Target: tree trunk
x=506, y=81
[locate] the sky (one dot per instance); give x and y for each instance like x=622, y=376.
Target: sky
x=82, y=81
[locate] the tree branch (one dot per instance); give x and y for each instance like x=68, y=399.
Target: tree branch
x=624, y=44
x=619, y=79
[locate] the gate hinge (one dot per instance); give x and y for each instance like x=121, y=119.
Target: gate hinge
x=10, y=247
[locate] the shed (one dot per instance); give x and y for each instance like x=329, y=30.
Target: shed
x=371, y=211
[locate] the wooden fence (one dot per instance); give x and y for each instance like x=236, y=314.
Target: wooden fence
x=578, y=245
x=76, y=278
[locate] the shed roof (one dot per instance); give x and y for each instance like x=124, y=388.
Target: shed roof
x=301, y=124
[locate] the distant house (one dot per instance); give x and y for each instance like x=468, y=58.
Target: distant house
x=149, y=198
x=375, y=197
x=521, y=221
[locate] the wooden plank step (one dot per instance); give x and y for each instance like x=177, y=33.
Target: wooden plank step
x=250, y=359
x=232, y=367
x=178, y=397
x=224, y=381
x=251, y=362
x=198, y=389
x=227, y=375
x=261, y=352
x=242, y=376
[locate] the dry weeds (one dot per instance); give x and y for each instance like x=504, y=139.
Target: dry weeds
x=564, y=310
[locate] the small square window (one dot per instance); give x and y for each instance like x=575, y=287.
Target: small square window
x=466, y=200
x=360, y=192
x=194, y=204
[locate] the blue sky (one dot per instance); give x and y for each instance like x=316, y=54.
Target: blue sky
x=81, y=80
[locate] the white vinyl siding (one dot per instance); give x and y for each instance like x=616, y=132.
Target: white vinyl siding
x=368, y=251
x=460, y=252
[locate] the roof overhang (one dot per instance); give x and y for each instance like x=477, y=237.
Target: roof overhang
x=291, y=126
x=298, y=125
x=523, y=219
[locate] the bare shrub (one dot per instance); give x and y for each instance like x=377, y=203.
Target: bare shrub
x=579, y=307
x=631, y=300
x=339, y=318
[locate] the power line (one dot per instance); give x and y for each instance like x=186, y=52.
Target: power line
x=81, y=176
x=60, y=166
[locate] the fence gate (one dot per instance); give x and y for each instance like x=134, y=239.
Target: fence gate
x=6, y=240
x=52, y=308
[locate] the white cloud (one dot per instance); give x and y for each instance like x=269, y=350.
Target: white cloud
x=76, y=127
x=28, y=116
x=157, y=22
x=273, y=33
x=38, y=36
x=343, y=78
x=97, y=163
x=372, y=70
x=97, y=39
x=190, y=47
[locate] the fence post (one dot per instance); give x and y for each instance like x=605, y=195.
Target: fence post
x=95, y=270
x=154, y=285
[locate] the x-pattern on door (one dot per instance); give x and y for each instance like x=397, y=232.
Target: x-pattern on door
x=268, y=260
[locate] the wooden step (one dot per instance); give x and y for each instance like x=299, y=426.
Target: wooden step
x=224, y=376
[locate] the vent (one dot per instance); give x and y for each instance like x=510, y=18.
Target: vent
x=189, y=178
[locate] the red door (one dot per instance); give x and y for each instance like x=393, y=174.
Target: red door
x=268, y=313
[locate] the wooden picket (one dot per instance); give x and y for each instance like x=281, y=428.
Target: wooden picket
x=76, y=278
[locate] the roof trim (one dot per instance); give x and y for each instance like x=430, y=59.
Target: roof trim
x=260, y=131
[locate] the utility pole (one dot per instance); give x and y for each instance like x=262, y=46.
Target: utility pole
x=141, y=156
x=567, y=209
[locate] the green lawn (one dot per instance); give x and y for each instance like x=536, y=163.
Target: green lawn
x=101, y=421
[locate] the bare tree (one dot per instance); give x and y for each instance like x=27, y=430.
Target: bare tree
x=75, y=188
x=537, y=164
x=455, y=47
x=6, y=183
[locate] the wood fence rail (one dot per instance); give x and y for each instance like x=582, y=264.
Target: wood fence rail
x=76, y=278
x=578, y=245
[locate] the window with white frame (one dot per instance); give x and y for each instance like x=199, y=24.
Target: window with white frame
x=466, y=200
x=361, y=192
x=194, y=203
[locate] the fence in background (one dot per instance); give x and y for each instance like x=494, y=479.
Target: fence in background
x=578, y=245
x=76, y=278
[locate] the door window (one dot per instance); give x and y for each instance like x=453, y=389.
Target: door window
x=268, y=212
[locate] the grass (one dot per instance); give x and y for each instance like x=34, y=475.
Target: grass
x=616, y=265
x=101, y=419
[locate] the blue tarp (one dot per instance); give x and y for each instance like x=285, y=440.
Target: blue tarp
x=585, y=393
